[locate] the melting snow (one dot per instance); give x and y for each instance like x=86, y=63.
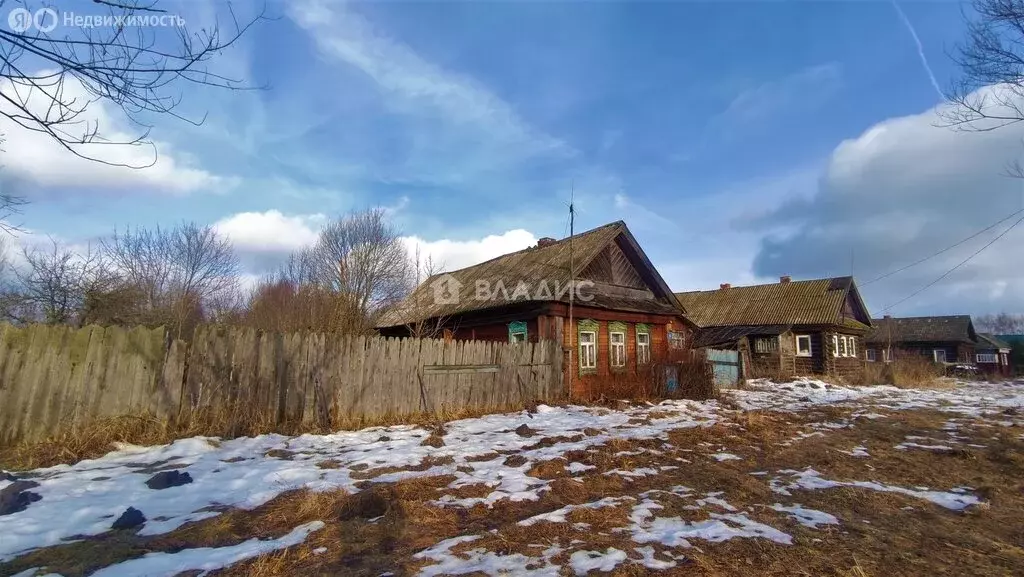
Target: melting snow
x=810, y=479
x=807, y=517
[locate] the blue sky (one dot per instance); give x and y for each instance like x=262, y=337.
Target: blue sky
x=738, y=140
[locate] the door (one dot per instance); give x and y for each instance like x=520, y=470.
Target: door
x=726, y=367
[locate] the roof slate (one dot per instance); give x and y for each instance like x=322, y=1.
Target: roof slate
x=989, y=340
x=710, y=336
x=808, y=302
x=531, y=266
x=955, y=328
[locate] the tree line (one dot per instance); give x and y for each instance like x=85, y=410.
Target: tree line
x=188, y=274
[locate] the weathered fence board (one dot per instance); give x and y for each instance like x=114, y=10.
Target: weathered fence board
x=56, y=377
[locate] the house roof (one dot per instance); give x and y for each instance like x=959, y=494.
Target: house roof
x=956, y=328
x=807, y=302
x=989, y=340
x=710, y=336
x=537, y=266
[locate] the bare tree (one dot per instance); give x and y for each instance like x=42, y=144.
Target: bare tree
x=417, y=307
x=990, y=94
x=1001, y=324
x=360, y=255
x=10, y=204
x=172, y=274
x=53, y=283
x=133, y=55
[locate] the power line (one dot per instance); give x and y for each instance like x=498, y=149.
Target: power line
x=960, y=264
x=947, y=249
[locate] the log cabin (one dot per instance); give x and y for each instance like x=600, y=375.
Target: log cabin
x=626, y=322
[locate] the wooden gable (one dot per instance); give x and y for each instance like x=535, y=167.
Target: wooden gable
x=611, y=266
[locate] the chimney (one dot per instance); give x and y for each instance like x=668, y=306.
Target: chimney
x=724, y=286
x=785, y=279
x=546, y=241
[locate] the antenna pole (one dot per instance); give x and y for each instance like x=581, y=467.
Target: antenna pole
x=572, y=286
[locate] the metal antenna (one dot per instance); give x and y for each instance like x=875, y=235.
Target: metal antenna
x=572, y=281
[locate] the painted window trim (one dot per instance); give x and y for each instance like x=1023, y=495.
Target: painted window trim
x=835, y=345
x=583, y=346
x=935, y=355
x=612, y=346
x=810, y=346
x=517, y=328
x=851, y=346
x=988, y=358
x=641, y=358
x=587, y=326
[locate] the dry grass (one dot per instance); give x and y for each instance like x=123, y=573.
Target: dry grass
x=383, y=527
x=907, y=371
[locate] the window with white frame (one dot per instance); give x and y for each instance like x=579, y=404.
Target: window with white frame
x=939, y=355
x=676, y=340
x=643, y=348
x=617, y=346
x=517, y=338
x=871, y=355
x=588, y=350
x=886, y=355
x=766, y=344
x=803, y=345
x=1006, y=359
x=835, y=345
x=851, y=346
x=987, y=358
x=842, y=347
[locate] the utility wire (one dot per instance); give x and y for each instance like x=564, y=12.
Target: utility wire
x=947, y=249
x=960, y=264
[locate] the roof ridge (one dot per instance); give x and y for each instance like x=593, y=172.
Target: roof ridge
x=792, y=282
x=532, y=247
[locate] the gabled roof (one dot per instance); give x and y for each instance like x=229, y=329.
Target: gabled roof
x=533, y=266
x=807, y=302
x=955, y=328
x=990, y=341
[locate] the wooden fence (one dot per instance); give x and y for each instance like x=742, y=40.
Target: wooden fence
x=55, y=377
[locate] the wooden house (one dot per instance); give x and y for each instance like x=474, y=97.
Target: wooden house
x=941, y=339
x=786, y=328
x=625, y=319
x=992, y=355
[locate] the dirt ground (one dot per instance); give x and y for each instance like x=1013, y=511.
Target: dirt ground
x=851, y=488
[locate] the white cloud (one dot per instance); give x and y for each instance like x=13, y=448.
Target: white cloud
x=451, y=255
x=903, y=190
x=37, y=158
x=270, y=231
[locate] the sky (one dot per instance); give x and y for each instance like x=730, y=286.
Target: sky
x=739, y=141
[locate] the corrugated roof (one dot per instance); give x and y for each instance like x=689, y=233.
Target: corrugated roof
x=989, y=340
x=954, y=328
x=709, y=336
x=808, y=302
x=532, y=267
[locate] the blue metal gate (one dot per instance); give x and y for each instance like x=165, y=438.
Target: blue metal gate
x=726, y=366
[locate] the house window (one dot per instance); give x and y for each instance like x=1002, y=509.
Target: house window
x=842, y=347
x=1006, y=360
x=939, y=355
x=617, y=348
x=871, y=355
x=517, y=332
x=643, y=348
x=803, y=345
x=676, y=340
x=852, y=346
x=987, y=358
x=766, y=345
x=588, y=350
x=886, y=355
x=835, y=345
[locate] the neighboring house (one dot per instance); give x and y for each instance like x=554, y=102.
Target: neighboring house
x=625, y=319
x=945, y=339
x=785, y=328
x=993, y=355
x=1016, y=343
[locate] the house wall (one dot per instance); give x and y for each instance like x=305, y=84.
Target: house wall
x=955, y=352
x=998, y=368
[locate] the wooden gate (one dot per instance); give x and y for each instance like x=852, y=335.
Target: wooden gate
x=726, y=367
